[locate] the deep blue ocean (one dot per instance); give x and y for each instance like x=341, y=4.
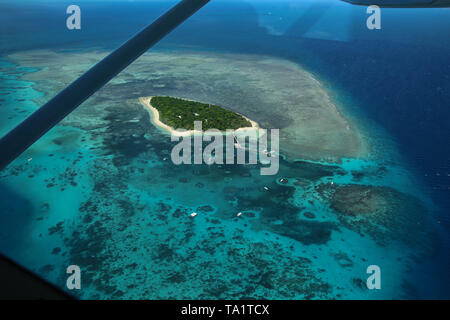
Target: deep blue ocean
x=398, y=77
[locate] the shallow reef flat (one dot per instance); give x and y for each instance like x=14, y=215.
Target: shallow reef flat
x=100, y=190
x=276, y=93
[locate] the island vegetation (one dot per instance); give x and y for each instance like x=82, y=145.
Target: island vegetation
x=181, y=114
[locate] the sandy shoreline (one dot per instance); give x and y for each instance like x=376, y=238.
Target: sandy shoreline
x=146, y=101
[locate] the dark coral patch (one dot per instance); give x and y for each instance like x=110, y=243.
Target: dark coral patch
x=306, y=232
x=381, y=212
x=309, y=215
x=308, y=170
x=205, y=208
x=56, y=228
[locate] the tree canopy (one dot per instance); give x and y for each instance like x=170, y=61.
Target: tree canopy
x=181, y=114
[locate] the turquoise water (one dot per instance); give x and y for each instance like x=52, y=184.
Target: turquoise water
x=103, y=195
x=99, y=192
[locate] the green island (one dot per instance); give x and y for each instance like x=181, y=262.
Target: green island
x=181, y=114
